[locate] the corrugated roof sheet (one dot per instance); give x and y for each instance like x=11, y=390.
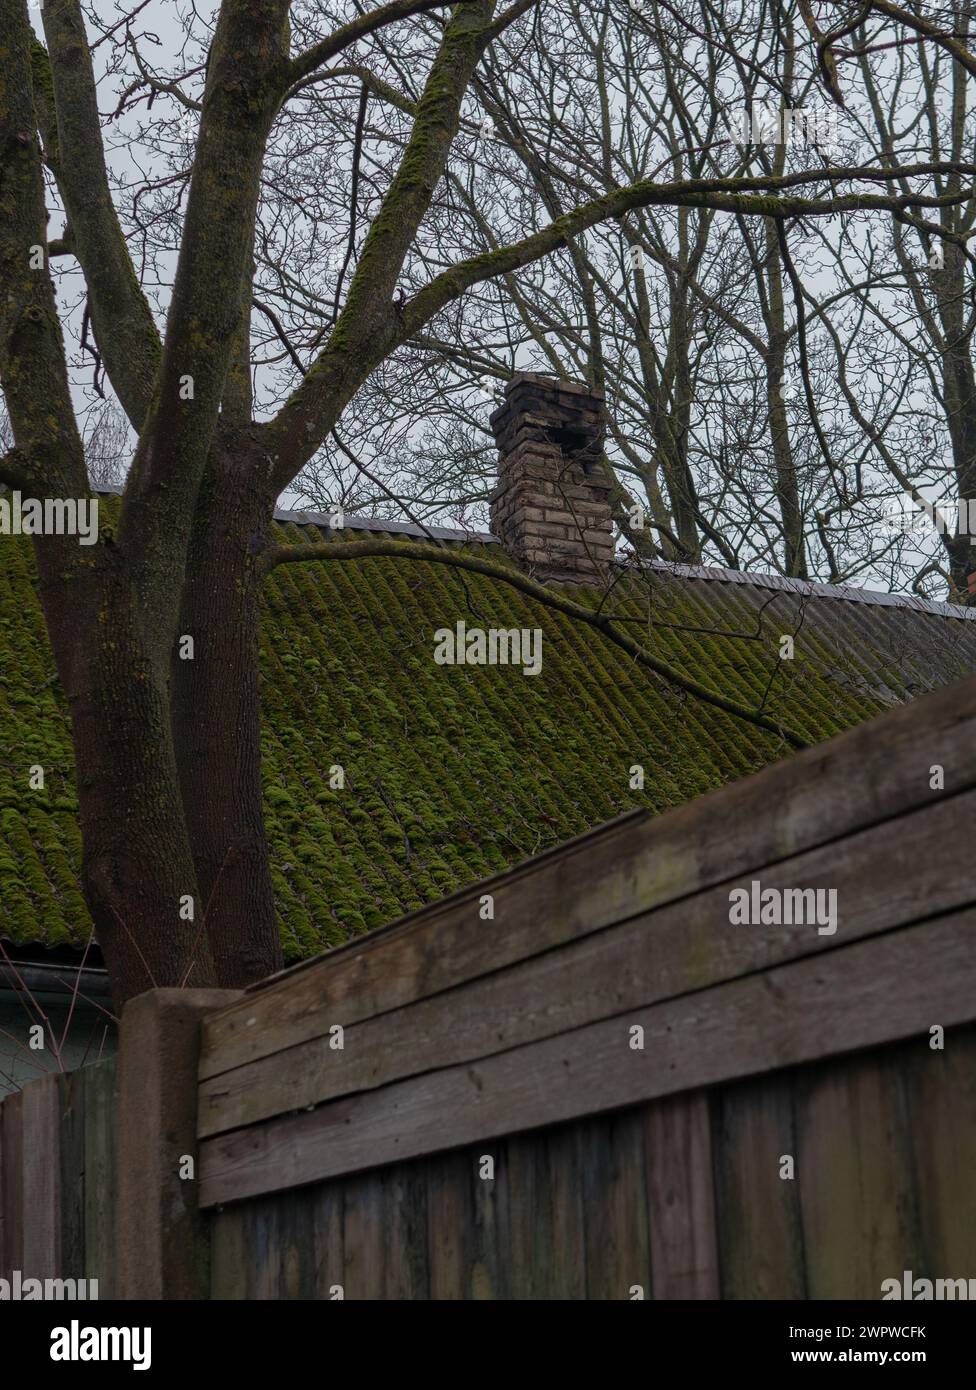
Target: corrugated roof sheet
x=455, y=772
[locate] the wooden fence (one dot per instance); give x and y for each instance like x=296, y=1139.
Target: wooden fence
x=579, y=1079
x=617, y=1165
x=57, y=1178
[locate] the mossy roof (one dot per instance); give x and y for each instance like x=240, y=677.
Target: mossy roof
x=455, y=772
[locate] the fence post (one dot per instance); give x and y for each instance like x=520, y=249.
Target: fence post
x=41, y=1177
x=162, y=1244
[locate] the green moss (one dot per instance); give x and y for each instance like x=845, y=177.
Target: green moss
x=453, y=773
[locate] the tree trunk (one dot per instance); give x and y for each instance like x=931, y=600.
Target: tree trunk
x=216, y=714
x=138, y=875
x=959, y=382
x=787, y=487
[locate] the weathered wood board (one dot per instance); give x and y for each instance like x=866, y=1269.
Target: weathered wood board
x=863, y=995
x=868, y=775
x=57, y=1188
x=683, y=947
x=689, y=1197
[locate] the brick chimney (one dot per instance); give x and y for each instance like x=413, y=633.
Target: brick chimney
x=551, y=508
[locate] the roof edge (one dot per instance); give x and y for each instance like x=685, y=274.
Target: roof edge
x=844, y=593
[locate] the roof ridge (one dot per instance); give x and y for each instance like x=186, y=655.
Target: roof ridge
x=844, y=593
x=847, y=593
x=323, y=521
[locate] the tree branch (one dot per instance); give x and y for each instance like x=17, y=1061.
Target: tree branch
x=350, y=33
x=928, y=30
x=125, y=331
x=367, y=77
x=725, y=195
x=248, y=57
x=33, y=372
x=367, y=332
x=367, y=327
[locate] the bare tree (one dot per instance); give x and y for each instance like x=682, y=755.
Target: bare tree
x=770, y=401
x=219, y=436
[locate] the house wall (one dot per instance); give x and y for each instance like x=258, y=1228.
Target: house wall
x=86, y=1038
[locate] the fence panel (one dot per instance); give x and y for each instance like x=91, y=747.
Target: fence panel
x=57, y=1165
x=688, y=1197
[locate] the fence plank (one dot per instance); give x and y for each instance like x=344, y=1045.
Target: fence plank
x=328, y=1241
x=41, y=1117
x=565, y=1181
x=263, y=1266
x=488, y=1258
x=854, y=1177
x=12, y=1147
x=100, y=1170
x=448, y=1217
x=530, y=1234
x=468, y=1225
x=229, y=1260
x=612, y=874
x=296, y=1246
x=73, y=1105
x=759, y=1228
x=680, y=948
x=615, y=1206
x=681, y=1198
x=547, y=1253
x=405, y=1267
x=871, y=992
x=941, y=1088
x=363, y=1233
